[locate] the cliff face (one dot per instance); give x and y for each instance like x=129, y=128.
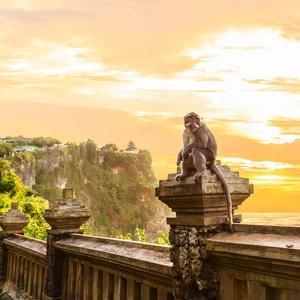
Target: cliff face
x=117, y=187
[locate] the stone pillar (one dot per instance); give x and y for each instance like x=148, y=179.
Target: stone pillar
x=201, y=211
x=12, y=222
x=65, y=218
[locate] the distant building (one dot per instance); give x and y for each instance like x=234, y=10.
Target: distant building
x=23, y=149
x=131, y=147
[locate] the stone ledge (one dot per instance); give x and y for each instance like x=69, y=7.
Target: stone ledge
x=275, y=229
x=122, y=242
x=267, y=246
x=120, y=253
x=202, y=220
x=25, y=245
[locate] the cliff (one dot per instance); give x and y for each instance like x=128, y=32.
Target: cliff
x=118, y=187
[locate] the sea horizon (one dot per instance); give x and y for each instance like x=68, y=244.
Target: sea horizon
x=278, y=218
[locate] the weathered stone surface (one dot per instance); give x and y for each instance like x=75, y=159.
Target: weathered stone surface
x=269, y=245
x=258, y=262
x=203, y=203
x=67, y=214
x=53, y=283
x=30, y=246
x=153, y=257
x=14, y=220
x=195, y=276
x=65, y=217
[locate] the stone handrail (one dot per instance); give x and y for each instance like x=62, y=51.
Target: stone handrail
x=105, y=268
x=26, y=267
x=258, y=262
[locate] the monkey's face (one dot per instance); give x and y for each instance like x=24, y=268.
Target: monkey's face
x=192, y=122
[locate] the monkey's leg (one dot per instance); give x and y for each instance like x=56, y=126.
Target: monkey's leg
x=185, y=168
x=199, y=162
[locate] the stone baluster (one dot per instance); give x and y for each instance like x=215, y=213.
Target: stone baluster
x=12, y=222
x=201, y=211
x=65, y=218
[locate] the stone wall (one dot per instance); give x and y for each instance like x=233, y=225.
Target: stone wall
x=195, y=275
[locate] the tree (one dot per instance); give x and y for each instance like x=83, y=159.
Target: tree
x=109, y=147
x=5, y=149
x=91, y=151
x=13, y=190
x=4, y=165
x=45, y=141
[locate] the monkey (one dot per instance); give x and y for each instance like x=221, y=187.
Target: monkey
x=199, y=154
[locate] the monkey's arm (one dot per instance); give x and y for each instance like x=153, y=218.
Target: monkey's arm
x=188, y=148
x=179, y=158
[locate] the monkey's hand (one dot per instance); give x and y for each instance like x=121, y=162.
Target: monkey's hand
x=186, y=151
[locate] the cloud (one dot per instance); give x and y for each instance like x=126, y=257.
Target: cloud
x=257, y=166
x=289, y=25
x=287, y=126
x=32, y=16
x=137, y=35
x=290, y=85
x=7, y=83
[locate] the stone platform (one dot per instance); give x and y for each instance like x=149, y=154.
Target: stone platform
x=203, y=203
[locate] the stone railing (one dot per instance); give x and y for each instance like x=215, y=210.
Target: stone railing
x=102, y=268
x=258, y=262
x=205, y=261
x=73, y=266
x=26, y=267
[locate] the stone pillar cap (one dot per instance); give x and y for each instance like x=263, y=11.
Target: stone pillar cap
x=203, y=203
x=67, y=214
x=14, y=220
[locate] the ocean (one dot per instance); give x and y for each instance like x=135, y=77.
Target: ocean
x=286, y=219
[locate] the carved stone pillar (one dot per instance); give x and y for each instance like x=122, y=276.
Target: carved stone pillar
x=201, y=211
x=65, y=217
x=12, y=222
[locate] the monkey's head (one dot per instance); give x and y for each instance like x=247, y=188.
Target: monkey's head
x=192, y=122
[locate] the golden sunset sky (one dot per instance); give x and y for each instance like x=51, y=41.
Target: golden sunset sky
x=121, y=70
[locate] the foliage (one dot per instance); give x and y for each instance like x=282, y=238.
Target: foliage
x=109, y=147
x=13, y=190
x=5, y=149
x=4, y=164
x=3, y=295
x=139, y=235
x=45, y=141
x=117, y=187
x=163, y=239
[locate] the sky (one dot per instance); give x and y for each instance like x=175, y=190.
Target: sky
x=121, y=70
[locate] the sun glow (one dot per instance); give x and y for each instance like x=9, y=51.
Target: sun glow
x=145, y=65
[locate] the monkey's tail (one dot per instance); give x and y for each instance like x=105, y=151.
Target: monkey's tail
x=216, y=170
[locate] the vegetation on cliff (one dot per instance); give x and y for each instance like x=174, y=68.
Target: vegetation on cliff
x=117, y=186
x=13, y=190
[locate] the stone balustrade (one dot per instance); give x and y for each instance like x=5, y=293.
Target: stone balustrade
x=257, y=262
x=103, y=268
x=73, y=266
x=205, y=261
x=26, y=267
